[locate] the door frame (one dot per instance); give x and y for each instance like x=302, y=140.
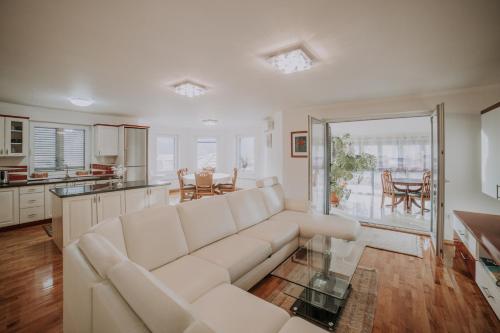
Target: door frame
x=439, y=223
x=326, y=180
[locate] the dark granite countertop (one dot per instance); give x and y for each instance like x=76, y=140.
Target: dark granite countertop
x=74, y=191
x=32, y=182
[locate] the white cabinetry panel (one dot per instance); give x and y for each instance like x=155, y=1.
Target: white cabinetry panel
x=110, y=205
x=9, y=206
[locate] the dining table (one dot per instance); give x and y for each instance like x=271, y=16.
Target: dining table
x=217, y=178
x=407, y=185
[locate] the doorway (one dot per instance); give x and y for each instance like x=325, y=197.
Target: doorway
x=385, y=171
x=380, y=171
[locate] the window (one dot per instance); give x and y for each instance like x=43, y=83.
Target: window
x=245, y=153
x=56, y=147
x=206, y=151
x=166, y=154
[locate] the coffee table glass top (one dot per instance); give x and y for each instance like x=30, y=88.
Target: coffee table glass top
x=324, y=265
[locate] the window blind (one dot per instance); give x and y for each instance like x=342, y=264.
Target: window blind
x=54, y=148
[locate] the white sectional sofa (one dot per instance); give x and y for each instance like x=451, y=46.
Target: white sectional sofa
x=186, y=268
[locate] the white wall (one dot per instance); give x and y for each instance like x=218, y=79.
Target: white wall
x=462, y=108
x=42, y=114
x=226, y=149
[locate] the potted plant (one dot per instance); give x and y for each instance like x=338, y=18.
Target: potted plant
x=344, y=166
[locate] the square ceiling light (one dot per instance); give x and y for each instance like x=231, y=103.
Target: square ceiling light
x=296, y=60
x=190, y=89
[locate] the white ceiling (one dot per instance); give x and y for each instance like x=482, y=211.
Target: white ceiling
x=125, y=54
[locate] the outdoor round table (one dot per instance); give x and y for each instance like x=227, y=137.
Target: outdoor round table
x=408, y=183
x=218, y=178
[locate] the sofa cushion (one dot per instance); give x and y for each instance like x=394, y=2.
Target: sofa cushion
x=206, y=221
x=154, y=236
x=110, y=312
x=299, y=325
x=228, y=309
x=329, y=225
x=274, y=197
x=276, y=232
x=190, y=277
x=248, y=207
x=112, y=230
x=238, y=254
x=101, y=254
x=158, y=306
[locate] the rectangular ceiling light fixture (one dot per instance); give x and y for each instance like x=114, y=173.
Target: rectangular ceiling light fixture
x=296, y=60
x=190, y=89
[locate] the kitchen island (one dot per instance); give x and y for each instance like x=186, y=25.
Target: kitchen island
x=76, y=209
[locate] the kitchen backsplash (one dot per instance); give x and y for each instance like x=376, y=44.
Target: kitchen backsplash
x=16, y=172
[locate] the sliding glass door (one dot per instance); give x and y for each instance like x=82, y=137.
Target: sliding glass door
x=438, y=179
x=319, y=164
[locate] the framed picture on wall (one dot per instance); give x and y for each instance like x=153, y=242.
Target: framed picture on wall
x=299, y=144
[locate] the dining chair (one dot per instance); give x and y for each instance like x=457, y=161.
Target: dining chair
x=208, y=169
x=425, y=192
x=391, y=191
x=229, y=187
x=187, y=192
x=204, y=184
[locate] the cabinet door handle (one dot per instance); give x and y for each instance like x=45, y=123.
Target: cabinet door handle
x=31, y=201
x=487, y=292
x=498, y=191
x=31, y=215
x=6, y=152
x=463, y=256
x=1, y=151
x=99, y=198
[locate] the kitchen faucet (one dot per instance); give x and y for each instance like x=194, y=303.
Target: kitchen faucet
x=66, y=167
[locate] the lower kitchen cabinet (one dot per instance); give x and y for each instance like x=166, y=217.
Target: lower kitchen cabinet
x=73, y=216
x=80, y=212
x=9, y=203
x=109, y=205
x=158, y=196
x=136, y=200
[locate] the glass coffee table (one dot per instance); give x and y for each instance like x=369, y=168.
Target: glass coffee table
x=318, y=277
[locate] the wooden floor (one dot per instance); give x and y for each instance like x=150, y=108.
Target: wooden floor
x=415, y=295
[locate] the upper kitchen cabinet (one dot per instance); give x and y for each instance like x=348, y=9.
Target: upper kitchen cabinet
x=490, y=153
x=106, y=140
x=13, y=136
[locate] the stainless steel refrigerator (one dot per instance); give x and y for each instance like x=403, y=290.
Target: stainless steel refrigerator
x=136, y=153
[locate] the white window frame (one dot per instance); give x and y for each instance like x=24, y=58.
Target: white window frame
x=168, y=174
x=88, y=149
x=217, y=155
x=247, y=174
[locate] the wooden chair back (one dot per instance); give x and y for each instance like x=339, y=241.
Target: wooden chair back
x=387, y=186
x=235, y=176
x=204, y=179
x=426, y=184
x=180, y=174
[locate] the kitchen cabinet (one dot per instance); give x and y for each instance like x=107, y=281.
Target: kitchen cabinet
x=106, y=140
x=157, y=196
x=490, y=158
x=74, y=214
x=31, y=204
x=9, y=203
x=14, y=136
x=80, y=212
x=109, y=205
x=138, y=199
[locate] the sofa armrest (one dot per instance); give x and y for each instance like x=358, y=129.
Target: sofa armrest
x=298, y=205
